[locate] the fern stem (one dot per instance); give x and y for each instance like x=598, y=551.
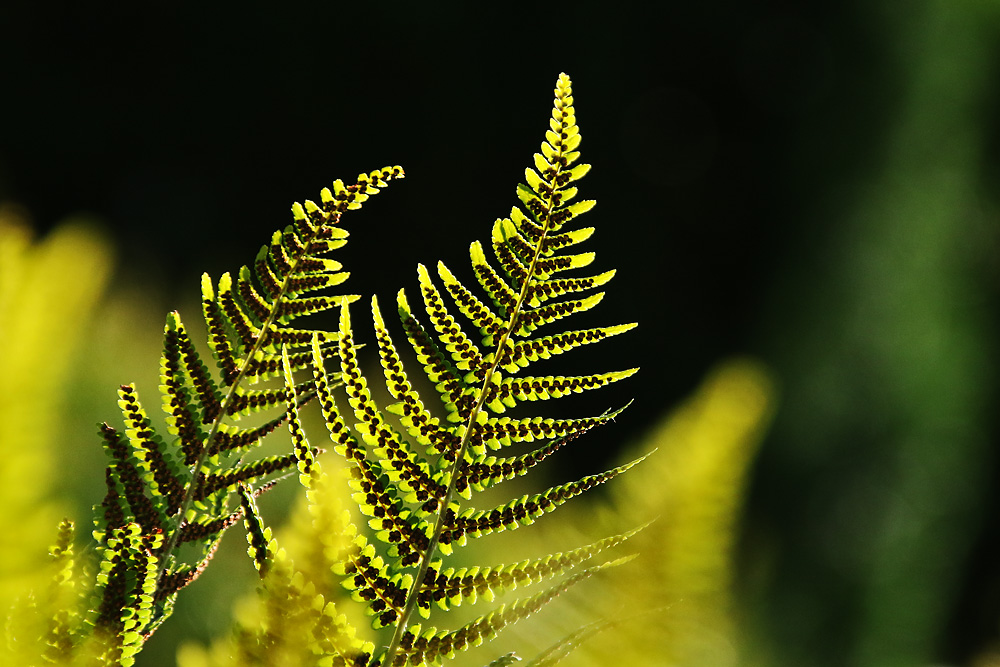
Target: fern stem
x=418, y=581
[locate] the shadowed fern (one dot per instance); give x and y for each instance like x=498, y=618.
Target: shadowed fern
x=414, y=467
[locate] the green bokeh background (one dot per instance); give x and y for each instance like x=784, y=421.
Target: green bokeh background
x=812, y=183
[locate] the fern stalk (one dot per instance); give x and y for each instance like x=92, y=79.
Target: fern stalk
x=471, y=423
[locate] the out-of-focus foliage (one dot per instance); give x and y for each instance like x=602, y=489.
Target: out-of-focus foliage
x=679, y=590
x=297, y=609
x=674, y=604
x=48, y=290
x=886, y=344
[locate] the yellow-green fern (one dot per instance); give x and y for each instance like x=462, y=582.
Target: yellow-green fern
x=417, y=465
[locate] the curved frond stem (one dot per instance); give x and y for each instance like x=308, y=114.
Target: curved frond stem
x=512, y=326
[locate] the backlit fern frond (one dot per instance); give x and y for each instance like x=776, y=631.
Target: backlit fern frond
x=414, y=468
x=169, y=488
x=417, y=463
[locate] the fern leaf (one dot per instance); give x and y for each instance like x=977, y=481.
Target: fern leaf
x=522, y=511
x=465, y=355
x=509, y=391
x=416, y=504
x=162, y=492
x=126, y=585
x=492, y=470
x=262, y=547
x=303, y=455
x=125, y=483
x=450, y=587
x=246, y=473
x=394, y=455
x=65, y=619
x=526, y=351
x=371, y=580
x=565, y=646
x=432, y=647
x=163, y=476
x=420, y=423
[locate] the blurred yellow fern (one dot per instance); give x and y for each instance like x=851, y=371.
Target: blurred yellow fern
x=675, y=598
x=48, y=288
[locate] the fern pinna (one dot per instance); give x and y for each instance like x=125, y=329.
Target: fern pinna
x=413, y=470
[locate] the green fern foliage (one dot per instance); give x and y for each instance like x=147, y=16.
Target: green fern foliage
x=189, y=484
x=416, y=466
x=416, y=482
x=416, y=469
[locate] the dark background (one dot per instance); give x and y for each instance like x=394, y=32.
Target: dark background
x=811, y=183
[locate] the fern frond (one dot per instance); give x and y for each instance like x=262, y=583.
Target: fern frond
x=510, y=391
x=262, y=547
x=412, y=476
x=178, y=490
x=125, y=590
x=565, y=646
x=505, y=660
x=527, y=351
x=63, y=625
x=413, y=467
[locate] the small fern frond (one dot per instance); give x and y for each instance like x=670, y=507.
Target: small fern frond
x=262, y=547
x=565, y=646
x=166, y=491
x=64, y=599
x=123, y=613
